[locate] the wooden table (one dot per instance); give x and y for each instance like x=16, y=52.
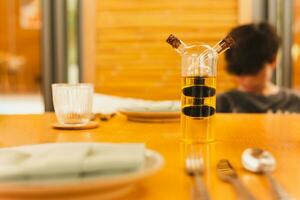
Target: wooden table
x=279, y=134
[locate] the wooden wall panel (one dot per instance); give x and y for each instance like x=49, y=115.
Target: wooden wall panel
x=23, y=43
x=132, y=57
x=296, y=46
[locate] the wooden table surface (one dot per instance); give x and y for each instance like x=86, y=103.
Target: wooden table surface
x=280, y=134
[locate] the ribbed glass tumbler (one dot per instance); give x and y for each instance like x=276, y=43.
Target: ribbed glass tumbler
x=73, y=102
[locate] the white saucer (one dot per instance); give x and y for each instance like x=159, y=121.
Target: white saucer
x=89, y=125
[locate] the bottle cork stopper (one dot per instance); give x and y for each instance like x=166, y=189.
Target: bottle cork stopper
x=173, y=41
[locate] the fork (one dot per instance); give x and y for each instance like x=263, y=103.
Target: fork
x=228, y=174
x=195, y=167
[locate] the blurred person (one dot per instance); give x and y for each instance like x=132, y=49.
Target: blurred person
x=252, y=61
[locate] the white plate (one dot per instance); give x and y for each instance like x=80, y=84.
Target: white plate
x=108, y=187
x=154, y=120
x=163, y=109
x=150, y=115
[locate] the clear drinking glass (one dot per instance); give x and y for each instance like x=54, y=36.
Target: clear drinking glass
x=198, y=97
x=73, y=102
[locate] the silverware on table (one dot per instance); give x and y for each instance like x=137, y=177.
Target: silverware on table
x=261, y=161
x=106, y=117
x=228, y=174
x=195, y=167
x=102, y=116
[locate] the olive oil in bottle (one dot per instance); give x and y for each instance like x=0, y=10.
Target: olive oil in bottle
x=198, y=107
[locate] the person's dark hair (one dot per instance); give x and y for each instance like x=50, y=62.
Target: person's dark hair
x=255, y=45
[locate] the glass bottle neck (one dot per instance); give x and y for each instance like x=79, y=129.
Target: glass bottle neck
x=219, y=49
x=181, y=48
x=224, y=44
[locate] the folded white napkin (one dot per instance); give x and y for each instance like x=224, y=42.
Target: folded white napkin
x=109, y=104
x=159, y=106
x=69, y=159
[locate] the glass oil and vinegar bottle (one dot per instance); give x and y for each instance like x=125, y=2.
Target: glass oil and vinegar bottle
x=198, y=92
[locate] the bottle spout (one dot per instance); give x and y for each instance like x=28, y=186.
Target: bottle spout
x=224, y=44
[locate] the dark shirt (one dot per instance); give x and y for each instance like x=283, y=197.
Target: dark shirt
x=235, y=101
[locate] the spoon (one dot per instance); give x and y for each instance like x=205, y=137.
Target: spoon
x=261, y=161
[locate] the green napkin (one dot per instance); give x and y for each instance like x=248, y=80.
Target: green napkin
x=57, y=159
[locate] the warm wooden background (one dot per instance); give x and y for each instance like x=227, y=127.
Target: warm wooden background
x=132, y=57
x=296, y=64
x=23, y=43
